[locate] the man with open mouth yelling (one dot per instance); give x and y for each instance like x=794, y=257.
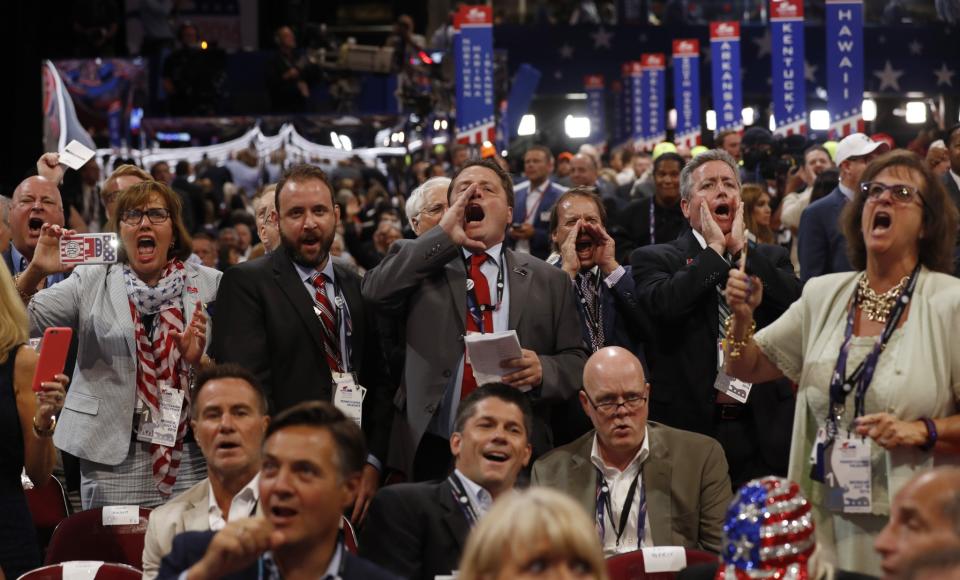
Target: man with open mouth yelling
x=458, y=278
x=298, y=321
x=418, y=530
x=647, y=484
x=680, y=285
x=36, y=201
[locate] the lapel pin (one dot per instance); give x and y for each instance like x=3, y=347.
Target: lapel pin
x=520, y=271
x=469, y=284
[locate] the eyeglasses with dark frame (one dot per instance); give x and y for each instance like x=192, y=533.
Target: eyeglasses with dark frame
x=631, y=402
x=899, y=192
x=156, y=215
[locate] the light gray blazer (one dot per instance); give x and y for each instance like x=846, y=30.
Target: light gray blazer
x=97, y=417
x=187, y=512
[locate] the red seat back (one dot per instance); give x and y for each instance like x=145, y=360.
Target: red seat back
x=107, y=571
x=630, y=566
x=83, y=536
x=48, y=507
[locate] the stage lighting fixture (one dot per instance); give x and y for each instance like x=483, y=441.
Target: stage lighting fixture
x=577, y=127
x=772, y=125
x=711, y=120
x=916, y=112
x=748, y=115
x=869, y=109
x=820, y=120
x=528, y=126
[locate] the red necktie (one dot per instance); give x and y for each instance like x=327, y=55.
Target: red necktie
x=331, y=334
x=481, y=295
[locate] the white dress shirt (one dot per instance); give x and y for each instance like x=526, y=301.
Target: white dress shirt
x=480, y=498
x=241, y=506
x=534, y=197
x=619, y=484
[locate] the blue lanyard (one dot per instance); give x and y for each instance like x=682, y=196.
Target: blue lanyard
x=859, y=380
x=605, y=508
x=463, y=500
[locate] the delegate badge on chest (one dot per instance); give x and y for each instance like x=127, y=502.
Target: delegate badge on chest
x=847, y=475
x=734, y=388
x=348, y=396
x=162, y=430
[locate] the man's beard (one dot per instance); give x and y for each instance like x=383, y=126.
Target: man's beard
x=292, y=250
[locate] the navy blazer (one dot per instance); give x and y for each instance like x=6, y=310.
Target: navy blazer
x=822, y=247
x=189, y=548
x=540, y=242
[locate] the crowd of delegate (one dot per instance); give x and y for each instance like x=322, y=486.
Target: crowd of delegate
x=707, y=337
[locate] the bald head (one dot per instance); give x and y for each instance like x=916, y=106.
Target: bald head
x=35, y=201
x=612, y=364
x=583, y=170
x=925, y=515
x=614, y=397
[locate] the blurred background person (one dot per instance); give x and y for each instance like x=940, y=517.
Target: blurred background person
x=535, y=533
x=756, y=214
x=27, y=423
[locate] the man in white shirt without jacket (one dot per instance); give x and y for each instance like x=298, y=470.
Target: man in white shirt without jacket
x=229, y=422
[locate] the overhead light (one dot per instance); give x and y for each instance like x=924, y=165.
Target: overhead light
x=503, y=153
x=772, y=125
x=869, y=109
x=443, y=124
x=672, y=119
x=346, y=142
x=203, y=45
x=436, y=124
x=577, y=96
x=748, y=115
x=916, y=112
x=335, y=139
x=711, y=120
x=576, y=127
x=528, y=126
x=820, y=120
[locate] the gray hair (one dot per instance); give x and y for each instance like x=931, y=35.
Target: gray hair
x=686, y=175
x=418, y=198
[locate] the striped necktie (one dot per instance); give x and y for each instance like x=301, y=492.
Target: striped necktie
x=328, y=322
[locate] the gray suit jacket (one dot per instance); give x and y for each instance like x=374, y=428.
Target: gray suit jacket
x=685, y=475
x=96, y=421
x=188, y=512
x=423, y=282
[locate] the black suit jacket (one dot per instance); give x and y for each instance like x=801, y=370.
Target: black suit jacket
x=189, y=547
x=677, y=284
x=265, y=321
x=415, y=530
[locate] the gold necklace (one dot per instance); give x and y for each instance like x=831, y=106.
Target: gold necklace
x=877, y=306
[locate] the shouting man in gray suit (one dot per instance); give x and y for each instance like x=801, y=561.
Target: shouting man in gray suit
x=229, y=421
x=646, y=484
x=458, y=278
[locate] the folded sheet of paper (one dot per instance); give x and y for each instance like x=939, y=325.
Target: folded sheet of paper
x=664, y=559
x=75, y=155
x=487, y=351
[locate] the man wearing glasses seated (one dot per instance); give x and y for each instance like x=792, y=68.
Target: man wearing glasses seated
x=644, y=483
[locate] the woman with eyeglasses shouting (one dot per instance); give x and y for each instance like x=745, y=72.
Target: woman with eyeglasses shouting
x=142, y=328
x=874, y=353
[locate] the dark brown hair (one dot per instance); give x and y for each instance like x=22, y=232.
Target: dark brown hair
x=506, y=393
x=587, y=191
x=936, y=245
x=139, y=194
x=351, y=448
x=493, y=166
x=228, y=371
x=302, y=172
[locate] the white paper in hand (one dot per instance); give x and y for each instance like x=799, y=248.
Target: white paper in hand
x=664, y=559
x=487, y=351
x=75, y=155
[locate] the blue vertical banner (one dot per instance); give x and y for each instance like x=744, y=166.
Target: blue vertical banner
x=686, y=91
x=522, y=89
x=616, y=112
x=786, y=55
x=725, y=75
x=633, y=101
x=475, y=110
x=596, y=95
x=845, y=66
x=654, y=101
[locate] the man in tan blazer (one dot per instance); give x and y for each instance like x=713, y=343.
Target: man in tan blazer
x=229, y=422
x=644, y=483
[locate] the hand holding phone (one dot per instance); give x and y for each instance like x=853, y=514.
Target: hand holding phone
x=53, y=356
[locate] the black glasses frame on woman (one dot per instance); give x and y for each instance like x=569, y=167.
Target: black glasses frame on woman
x=156, y=215
x=899, y=192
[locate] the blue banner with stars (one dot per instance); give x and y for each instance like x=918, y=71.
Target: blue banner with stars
x=654, y=102
x=474, y=62
x=844, y=66
x=633, y=100
x=725, y=75
x=596, y=95
x=788, y=80
x=686, y=91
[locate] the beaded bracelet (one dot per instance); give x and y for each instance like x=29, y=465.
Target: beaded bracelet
x=932, y=434
x=732, y=346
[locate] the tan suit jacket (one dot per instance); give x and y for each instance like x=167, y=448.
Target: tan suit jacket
x=187, y=512
x=685, y=475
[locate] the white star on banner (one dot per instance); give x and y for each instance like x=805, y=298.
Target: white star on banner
x=944, y=75
x=763, y=43
x=601, y=38
x=810, y=71
x=916, y=48
x=566, y=51
x=889, y=77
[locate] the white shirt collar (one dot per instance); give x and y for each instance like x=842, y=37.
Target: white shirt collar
x=846, y=191
x=637, y=460
x=956, y=178
x=493, y=252
x=700, y=238
x=241, y=505
x=306, y=273
x=480, y=497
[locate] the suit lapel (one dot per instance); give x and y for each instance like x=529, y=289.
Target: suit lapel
x=583, y=475
x=520, y=278
x=195, y=518
x=656, y=478
x=121, y=304
x=456, y=274
x=292, y=287
x=453, y=517
x=351, y=293
x=690, y=246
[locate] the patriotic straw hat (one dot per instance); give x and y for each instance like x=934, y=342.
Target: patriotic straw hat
x=767, y=533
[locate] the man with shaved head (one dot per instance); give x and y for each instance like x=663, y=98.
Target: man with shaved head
x=925, y=516
x=645, y=483
x=36, y=201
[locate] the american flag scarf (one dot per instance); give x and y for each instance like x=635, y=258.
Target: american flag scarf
x=158, y=358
